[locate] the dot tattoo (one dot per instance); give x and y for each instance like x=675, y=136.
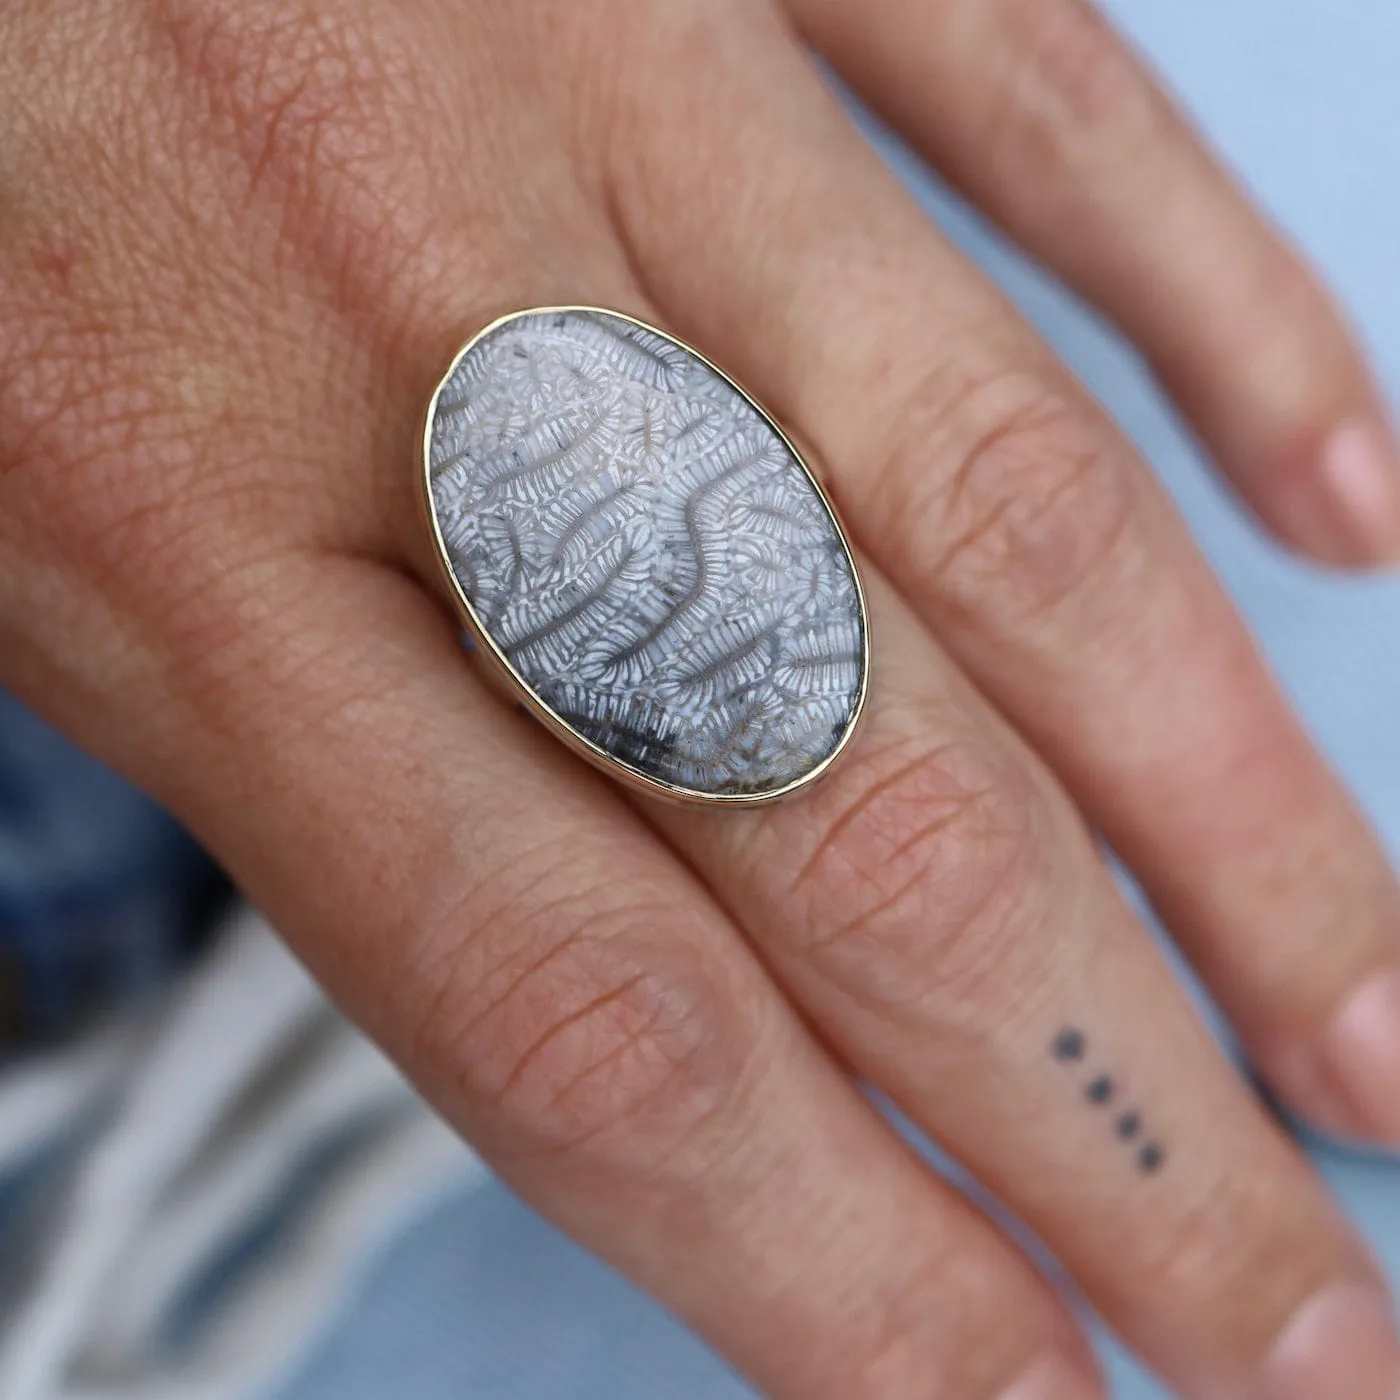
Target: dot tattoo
x=1071, y=1047
x=1128, y=1126
x=1150, y=1158
x=1099, y=1090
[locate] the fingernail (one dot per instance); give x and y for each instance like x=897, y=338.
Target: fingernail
x=1054, y=1378
x=1361, y=1052
x=1361, y=469
x=1339, y=1344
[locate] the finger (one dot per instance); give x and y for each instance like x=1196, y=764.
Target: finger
x=1040, y=112
x=1016, y=520
x=943, y=917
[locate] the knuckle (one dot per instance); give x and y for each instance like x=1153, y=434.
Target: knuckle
x=922, y=863
x=1239, y=1250
x=891, y=1359
x=998, y=1334
x=1070, y=96
x=584, y=1022
x=1025, y=498
x=994, y=1315
x=1296, y=331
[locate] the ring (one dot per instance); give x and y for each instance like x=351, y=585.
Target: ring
x=643, y=558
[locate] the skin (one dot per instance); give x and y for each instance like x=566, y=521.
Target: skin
x=239, y=241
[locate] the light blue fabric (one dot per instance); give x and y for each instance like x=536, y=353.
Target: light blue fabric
x=482, y=1301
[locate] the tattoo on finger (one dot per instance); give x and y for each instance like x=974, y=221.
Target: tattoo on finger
x=1071, y=1047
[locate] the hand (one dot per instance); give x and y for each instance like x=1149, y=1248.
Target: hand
x=239, y=240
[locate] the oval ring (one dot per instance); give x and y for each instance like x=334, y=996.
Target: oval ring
x=643, y=558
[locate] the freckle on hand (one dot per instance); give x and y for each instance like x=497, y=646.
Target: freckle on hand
x=55, y=260
x=1069, y=1045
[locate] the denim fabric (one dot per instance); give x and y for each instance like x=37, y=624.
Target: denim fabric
x=484, y=1301
x=98, y=887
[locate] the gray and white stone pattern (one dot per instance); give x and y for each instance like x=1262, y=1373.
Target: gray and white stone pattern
x=647, y=552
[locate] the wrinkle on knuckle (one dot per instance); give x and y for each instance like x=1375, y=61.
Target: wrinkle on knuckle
x=1238, y=1249
x=582, y=1022
x=893, y=1361
x=926, y=858
x=1068, y=95
x=895, y=1340
x=459, y=948
x=1014, y=502
x=899, y=1354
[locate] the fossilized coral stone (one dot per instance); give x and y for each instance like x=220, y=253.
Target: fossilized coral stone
x=640, y=545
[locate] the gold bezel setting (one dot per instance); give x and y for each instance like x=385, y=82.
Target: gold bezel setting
x=511, y=685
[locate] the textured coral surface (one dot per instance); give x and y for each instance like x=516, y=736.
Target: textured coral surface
x=647, y=552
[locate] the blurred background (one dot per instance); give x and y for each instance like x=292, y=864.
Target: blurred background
x=210, y=1186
